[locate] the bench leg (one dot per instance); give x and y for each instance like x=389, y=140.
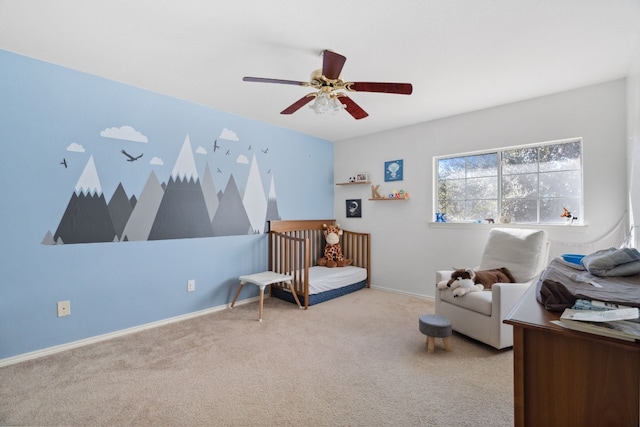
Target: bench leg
x=237, y=293
x=261, y=300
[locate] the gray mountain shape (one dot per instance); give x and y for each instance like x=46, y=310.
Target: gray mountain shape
x=182, y=214
x=48, y=238
x=210, y=193
x=120, y=209
x=272, y=213
x=86, y=220
x=231, y=218
x=144, y=213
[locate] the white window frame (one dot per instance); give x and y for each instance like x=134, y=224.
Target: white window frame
x=499, y=151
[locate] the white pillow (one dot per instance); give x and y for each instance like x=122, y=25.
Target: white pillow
x=517, y=249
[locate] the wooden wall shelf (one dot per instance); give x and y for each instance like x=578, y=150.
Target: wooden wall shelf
x=388, y=198
x=353, y=183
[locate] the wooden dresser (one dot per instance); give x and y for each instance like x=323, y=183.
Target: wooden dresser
x=570, y=378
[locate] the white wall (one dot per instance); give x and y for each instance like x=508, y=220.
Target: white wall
x=408, y=248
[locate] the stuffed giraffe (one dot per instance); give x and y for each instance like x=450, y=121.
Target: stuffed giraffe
x=332, y=251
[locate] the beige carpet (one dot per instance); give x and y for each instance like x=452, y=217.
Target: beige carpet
x=359, y=360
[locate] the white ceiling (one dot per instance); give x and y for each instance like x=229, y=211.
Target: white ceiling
x=460, y=55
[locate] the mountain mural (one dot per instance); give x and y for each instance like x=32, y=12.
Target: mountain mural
x=183, y=207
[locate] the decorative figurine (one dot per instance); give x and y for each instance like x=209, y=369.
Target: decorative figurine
x=568, y=218
x=504, y=219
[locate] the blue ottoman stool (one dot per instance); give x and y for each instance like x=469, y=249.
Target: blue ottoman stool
x=434, y=326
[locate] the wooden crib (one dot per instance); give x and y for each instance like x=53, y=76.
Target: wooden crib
x=295, y=247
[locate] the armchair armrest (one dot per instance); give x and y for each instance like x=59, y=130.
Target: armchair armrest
x=443, y=275
x=505, y=296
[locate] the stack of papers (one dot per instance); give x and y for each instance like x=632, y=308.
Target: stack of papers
x=621, y=323
x=601, y=316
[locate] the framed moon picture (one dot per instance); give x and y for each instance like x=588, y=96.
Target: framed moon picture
x=354, y=208
x=393, y=170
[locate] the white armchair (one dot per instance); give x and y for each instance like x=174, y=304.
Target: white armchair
x=479, y=315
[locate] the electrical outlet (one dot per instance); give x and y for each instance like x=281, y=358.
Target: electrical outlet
x=64, y=308
x=191, y=285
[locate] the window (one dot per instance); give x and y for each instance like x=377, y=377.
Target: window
x=529, y=184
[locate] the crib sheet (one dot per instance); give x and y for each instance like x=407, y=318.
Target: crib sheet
x=323, y=279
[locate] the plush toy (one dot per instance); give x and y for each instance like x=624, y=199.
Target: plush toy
x=465, y=280
x=332, y=251
x=464, y=286
x=461, y=282
x=486, y=278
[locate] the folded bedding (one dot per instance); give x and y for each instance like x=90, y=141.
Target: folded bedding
x=613, y=262
x=562, y=283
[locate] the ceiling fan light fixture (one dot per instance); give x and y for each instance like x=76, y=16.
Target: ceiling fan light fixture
x=330, y=96
x=326, y=103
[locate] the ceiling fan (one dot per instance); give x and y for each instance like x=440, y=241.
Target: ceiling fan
x=330, y=95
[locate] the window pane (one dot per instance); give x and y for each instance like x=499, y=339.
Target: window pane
x=451, y=189
x=520, y=186
x=557, y=157
x=481, y=209
x=454, y=210
x=482, y=188
x=521, y=160
x=521, y=210
x=451, y=168
x=551, y=209
x=560, y=184
x=482, y=165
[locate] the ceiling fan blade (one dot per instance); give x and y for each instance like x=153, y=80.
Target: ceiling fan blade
x=400, y=88
x=332, y=64
x=298, y=104
x=352, y=108
x=280, y=81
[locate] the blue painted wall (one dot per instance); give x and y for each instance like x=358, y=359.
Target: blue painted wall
x=112, y=286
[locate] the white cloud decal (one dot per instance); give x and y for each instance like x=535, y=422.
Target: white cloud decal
x=75, y=147
x=156, y=161
x=201, y=150
x=124, y=132
x=242, y=159
x=228, y=135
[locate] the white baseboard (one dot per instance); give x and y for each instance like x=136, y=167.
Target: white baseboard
x=403, y=292
x=98, y=338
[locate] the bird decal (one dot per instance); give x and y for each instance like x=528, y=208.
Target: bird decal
x=219, y=171
x=264, y=151
x=227, y=153
x=130, y=157
x=215, y=145
x=64, y=162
